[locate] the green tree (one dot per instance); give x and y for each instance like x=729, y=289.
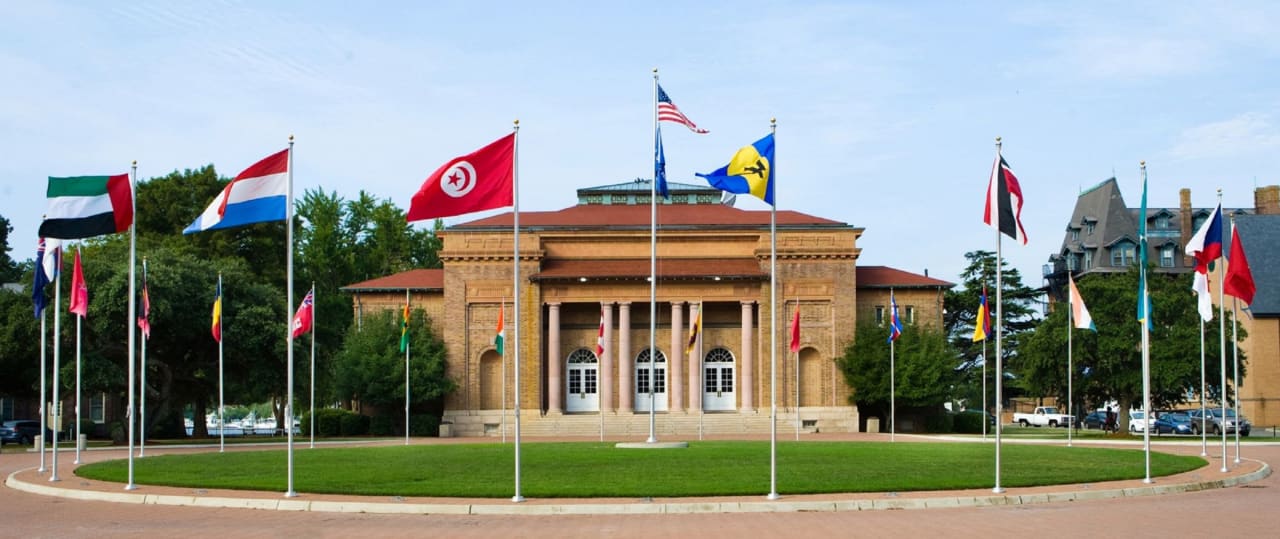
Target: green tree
x=1108, y=364
x=924, y=368
x=371, y=368
x=9, y=270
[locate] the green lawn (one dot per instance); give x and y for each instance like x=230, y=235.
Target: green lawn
x=554, y=470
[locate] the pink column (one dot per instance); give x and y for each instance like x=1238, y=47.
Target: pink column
x=626, y=370
x=676, y=357
x=606, y=361
x=555, y=384
x=746, y=365
x=695, y=365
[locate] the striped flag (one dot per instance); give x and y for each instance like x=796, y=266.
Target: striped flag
x=1004, y=202
x=500, y=335
x=1079, y=313
x=256, y=195
x=668, y=112
x=895, y=326
x=600, y=337
x=87, y=206
x=217, y=312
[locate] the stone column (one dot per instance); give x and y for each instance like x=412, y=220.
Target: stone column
x=626, y=369
x=675, y=368
x=746, y=365
x=555, y=381
x=606, y=360
x=695, y=365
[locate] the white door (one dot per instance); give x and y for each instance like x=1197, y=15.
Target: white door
x=582, y=388
x=657, y=382
x=718, y=381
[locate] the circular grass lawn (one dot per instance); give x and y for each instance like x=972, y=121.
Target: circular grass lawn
x=585, y=470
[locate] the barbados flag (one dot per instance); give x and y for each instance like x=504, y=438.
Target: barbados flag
x=750, y=171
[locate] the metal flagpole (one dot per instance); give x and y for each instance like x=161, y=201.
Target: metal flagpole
x=797, y=364
x=313, y=365
x=515, y=281
x=1222, y=345
x=893, y=388
x=288, y=320
x=44, y=368
x=503, y=421
x=1204, y=434
x=79, y=321
x=57, y=389
x=1146, y=340
x=133, y=312
x=142, y=385
x=222, y=408
x=999, y=339
x=984, y=385
x=773, y=324
x=653, y=275
x=407, y=316
x=1235, y=352
x=1070, y=312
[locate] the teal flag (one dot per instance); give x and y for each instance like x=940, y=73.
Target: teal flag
x=1144, y=298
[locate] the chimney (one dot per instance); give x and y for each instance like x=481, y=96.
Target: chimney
x=1184, y=222
x=1266, y=200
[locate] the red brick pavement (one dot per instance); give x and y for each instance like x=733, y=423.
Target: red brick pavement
x=1238, y=511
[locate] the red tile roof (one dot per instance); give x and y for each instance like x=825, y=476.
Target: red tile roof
x=674, y=215
x=885, y=277
x=680, y=268
x=416, y=279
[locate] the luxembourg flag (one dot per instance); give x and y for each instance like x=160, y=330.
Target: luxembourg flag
x=258, y=194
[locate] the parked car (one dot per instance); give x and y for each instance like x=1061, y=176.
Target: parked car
x=21, y=431
x=1172, y=423
x=1138, y=421
x=1095, y=420
x=1213, y=423
x=1043, y=416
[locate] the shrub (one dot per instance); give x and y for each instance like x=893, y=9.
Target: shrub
x=424, y=425
x=353, y=424
x=381, y=426
x=969, y=422
x=940, y=423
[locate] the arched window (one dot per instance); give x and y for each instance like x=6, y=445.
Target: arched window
x=642, y=372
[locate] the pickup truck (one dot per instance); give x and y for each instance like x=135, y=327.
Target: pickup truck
x=1042, y=416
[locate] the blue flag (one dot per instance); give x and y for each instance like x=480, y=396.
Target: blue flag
x=750, y=171
x=1144, y=297
x=42, y=280
x=660, y=165
x=895, y=326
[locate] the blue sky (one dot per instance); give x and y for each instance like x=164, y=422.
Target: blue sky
x=887, y=112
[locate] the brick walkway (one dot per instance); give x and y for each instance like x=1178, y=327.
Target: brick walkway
x=1246, y=508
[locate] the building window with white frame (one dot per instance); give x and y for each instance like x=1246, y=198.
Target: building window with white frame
x=1166, y=256
x=879, y=315
x=911, y=314
x=98, y=407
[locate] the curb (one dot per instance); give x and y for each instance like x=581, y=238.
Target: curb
x=605, y=508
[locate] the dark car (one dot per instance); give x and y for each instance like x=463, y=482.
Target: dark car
x=1173, y=423
x=1095, y=420
x=21, y=431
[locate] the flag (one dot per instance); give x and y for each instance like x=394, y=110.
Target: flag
x=1206, y=244
x=144, y=321
x=795, y=330
x=42, y=278
x=79, y=292
x=982, y=323
x=302, y=318
x=695, y=331
x=404, y=329
x=87, y=206
x=1239, y=280
x=500, y=334
x=1204, y=303
x=660, y=166
x=1079, y=312
x=750, y=171
x=480, y=180
x=53, y=260
x=600, y=337
x=1004, y=202
x=217, y=313
x=1144, y=298
x=895, y=325
x=256, y=195
x=668, y=112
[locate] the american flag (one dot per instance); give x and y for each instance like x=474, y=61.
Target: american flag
x=668, y=112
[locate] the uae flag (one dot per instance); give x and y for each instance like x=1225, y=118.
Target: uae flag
x=1004, y=202
x=87, y=206
x=480, y=180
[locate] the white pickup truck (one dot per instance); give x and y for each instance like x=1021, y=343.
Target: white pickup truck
x=1044, y=415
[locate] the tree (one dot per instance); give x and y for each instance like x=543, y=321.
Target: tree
x=9, y=270
x=924, y=368
x=370, y=366
x=1108, y=364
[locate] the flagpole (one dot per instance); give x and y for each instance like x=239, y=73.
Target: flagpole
x=288, y=321
x=133, y=309
x=79, y=321
x=142, y=384
x=57, y=364
x=407, y=316
x=1070, y=313
x=653, y=275
x=515, y=279
x=893, y=400
x=503, y=421
x=1235, y=351
x=1222, y=345
x=984, y=385
x=222, y=408
x=44, y=368
x=797, y=363
x=773, y=325
x=313, y=364
x=1204, y=435
x=999, y=340
x=1146, y=338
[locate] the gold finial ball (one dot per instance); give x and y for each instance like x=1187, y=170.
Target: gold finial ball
x=516, y=121
x=997, y=140
x=135, y=162
x=1142, y=163
x=291, y=137
x=773, y=120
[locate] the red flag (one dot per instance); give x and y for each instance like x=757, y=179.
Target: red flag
x=478, y=181
x=79, y=292
x=600, y=337
x=302, y=318
x=144, y=321
x=795, y=330
x=1239, y=279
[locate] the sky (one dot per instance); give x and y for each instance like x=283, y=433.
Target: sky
x=887, y=112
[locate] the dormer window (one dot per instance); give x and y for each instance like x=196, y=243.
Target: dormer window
x=1122, y=254
x=1162, y=221
x=1166, y=256
x=1088, y=228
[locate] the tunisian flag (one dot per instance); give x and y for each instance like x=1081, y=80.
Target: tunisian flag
x=478, y=181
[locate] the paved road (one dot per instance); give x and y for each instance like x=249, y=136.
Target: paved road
x=1246, y=511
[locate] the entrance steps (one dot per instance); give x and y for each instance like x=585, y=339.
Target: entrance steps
x=687, y=425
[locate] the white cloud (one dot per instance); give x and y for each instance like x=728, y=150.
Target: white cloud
x=1244, y=134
